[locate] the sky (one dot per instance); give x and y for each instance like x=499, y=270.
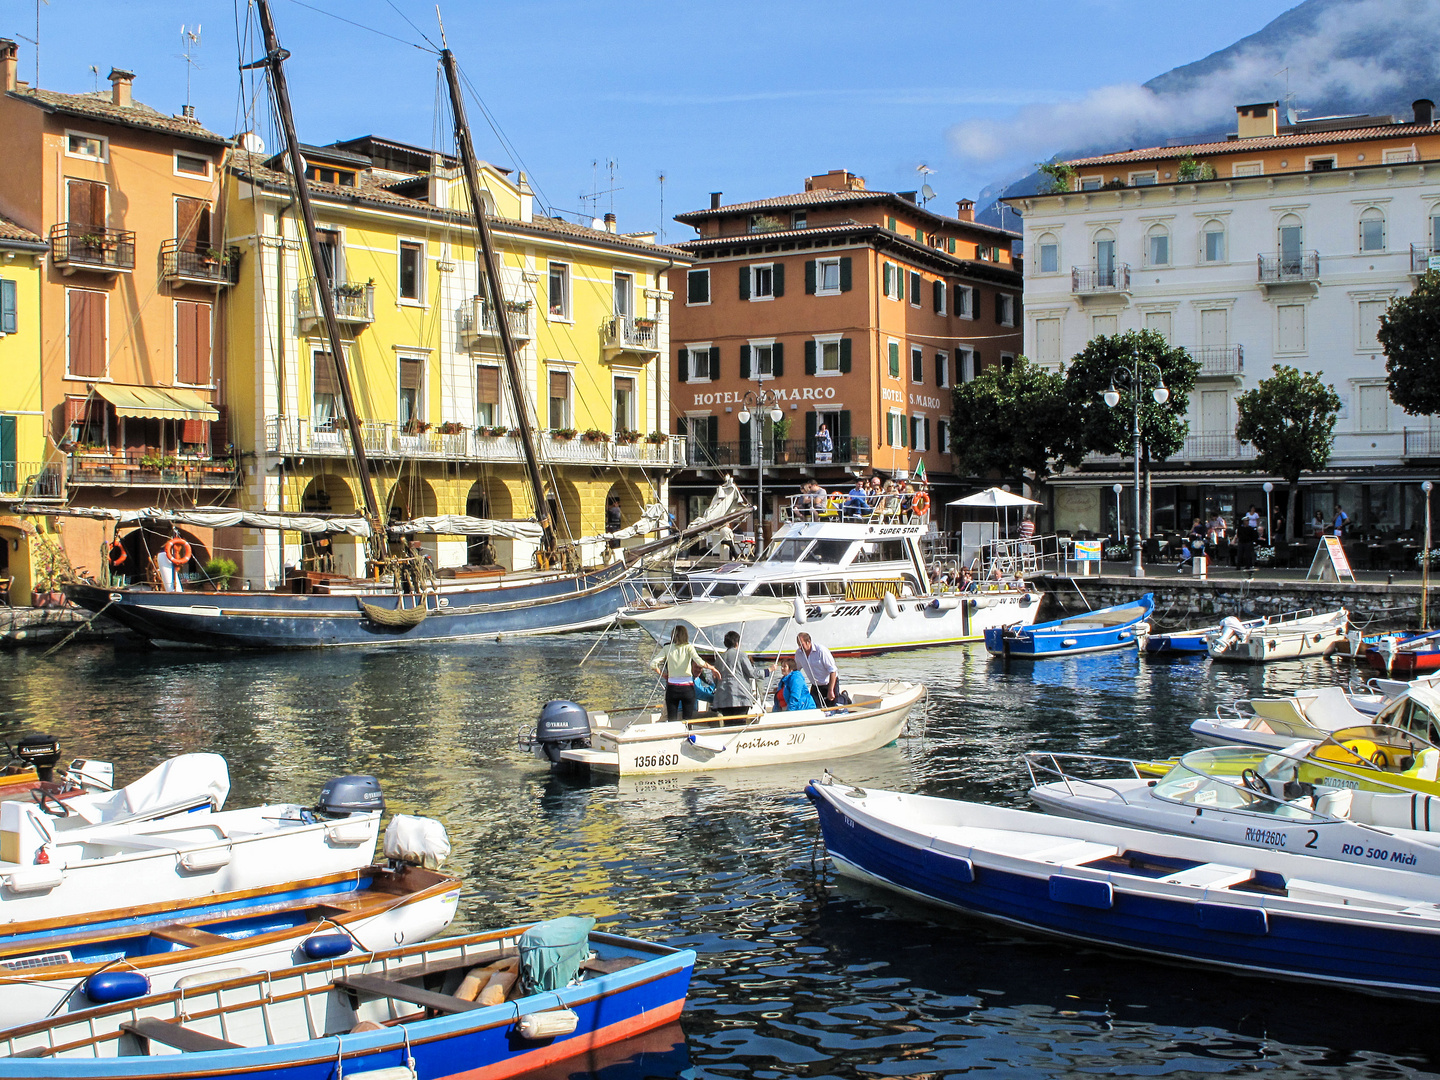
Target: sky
x=741, y=97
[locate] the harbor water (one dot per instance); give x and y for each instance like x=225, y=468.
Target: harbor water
x=799, y=974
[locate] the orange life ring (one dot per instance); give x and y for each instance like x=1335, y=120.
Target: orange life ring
x=920, y=504
x=117, y=553
x=178, y=551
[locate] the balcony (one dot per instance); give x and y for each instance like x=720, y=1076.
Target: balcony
x=354, y=304
x=183, y=263
x=1216, y=446
x=478, y=322
x=1288, y=268
x=89, y=247
x=1423, y=258
x=1422, y=442
x=32, y=481
x=628, y=333
x=1100, y=280
x=133, y=469
x=1217, y=361
x=782, y=453
x=301, y=436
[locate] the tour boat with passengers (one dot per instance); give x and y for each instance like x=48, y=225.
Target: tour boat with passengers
x=858, y=584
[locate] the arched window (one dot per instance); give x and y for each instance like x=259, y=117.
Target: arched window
x=1292, y=243
x=1372, y=230
x=1049, y=247
x=1157, y=246
x=1105, y=258
x=1435, y=229
x=1212, y=241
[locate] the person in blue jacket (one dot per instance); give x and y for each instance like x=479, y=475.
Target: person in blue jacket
x=793, y=692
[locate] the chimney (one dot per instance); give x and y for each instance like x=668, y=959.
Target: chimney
x=8, y=64
x=610, y=223
x=965, y=209
x=1258, y=121
x=120, y=83
x=1424, y=111
x=715, y=199
x=835, y=180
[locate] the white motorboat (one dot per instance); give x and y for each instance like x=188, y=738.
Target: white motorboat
x=1290, y=801
x=184, y=784
x=1290, y=636
x=47, y=874
x=858, y=587
x=641, y=741
x=1275, y=723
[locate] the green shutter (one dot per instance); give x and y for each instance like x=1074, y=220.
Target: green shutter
x=899, y=284
x=811, y=426
x=712, y=434
x=915, y=288
x=904, y=426
x=809, y=277
x=682, y=366
x=8, y=477
x=952, y=245
x=919, y=234
x=9, y=304
x=777, y=359
x=887, y=273
x=844, y=273
x=926, y=425
x=844, y=354
x=890, y=222
x=745, y=443
x=937, y=291
x=744, y=361
x=894, y=359
x=809, y=358
x=714, y=363
x=744, y=283
x=940, y=361
x=777, y=277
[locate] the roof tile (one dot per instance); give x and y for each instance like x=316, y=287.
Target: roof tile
x=12, y=232
x=1277, y=142
x=102, y=108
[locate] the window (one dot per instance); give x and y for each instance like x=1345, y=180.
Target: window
x=1144, y=179
x=1007, y=361
x=917, y=364
x=964, y=301
x=761, y=360
x=797, y=219
x=625, y=403
x=762, y=282
x=1323, y=164
x=85, y=205
x=942, y=435
x=559, y=399
x=1213, y=242
x=1162, y=323
x=487, y=395
x=699, y=363
x=895, y=425
x=914, y=289
x=192, y=227
x=9, y=307
x=94, y=147
x=192, y=343
x=411, y=404
x=942, y=369
x=560, y=291
x=1290, y=328
x=1157, y=246
x=1214, y=328
x=894, y=352
x=412, y=263
x=831, y=276
x=325, y=394
x=1292, y=243
x=892, y=281
x=1049, y=248
x=1104, y=325
x=1091, y=183
x=920, y=433
x=624, y=296
x=697, y=287
x=325, y=175
x=1374, y=408
x=1047, y=341
x=86, y=330
x=832, y=356
x=1249, y=168
x=890, y=223
x=1005, y=309
x=1400, y=157
x=965, y=365
x=1105, y=258
x=1372, y=230
x=938, y=287
x=192, y=165
x=1369, y=312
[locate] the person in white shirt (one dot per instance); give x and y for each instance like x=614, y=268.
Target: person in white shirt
x=819, y=667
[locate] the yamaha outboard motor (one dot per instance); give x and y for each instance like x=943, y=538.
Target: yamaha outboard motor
x=563, y=726
x=346, y=795
x=40, y=751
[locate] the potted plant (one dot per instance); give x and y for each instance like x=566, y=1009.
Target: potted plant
x=151, y=461
x=656, y=438
x=645, y=322
x=415, y=427
x=627, y=437
x=450, y=427
x=564, y=434
x=594, y=434
x=780, y=432
x=220, y=570
x=350, y=290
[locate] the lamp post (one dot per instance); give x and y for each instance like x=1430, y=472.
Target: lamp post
x=1119, y=520
x=1133, y=377
x=760, y=404
x=1425, y=563
x=1269, y=521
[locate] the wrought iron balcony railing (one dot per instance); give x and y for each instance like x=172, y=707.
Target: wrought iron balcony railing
x=1088, y=280
x=1288, y=266
x=32, y=479
x=477, y=319
x=354, y=304
x=119, y=469
x=631, y=333
x=1220, y=359
x=1421, y=256
x=90, y=247
x=186, y=261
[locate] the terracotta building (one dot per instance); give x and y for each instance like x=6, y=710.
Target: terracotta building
x=124, y=197
x=858, y=310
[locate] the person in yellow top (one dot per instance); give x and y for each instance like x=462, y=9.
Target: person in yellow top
x=677, y=662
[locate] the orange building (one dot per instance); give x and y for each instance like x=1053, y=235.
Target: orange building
x=125, y=196
x=858, y=310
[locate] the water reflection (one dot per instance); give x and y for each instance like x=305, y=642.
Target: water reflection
x=799, y=974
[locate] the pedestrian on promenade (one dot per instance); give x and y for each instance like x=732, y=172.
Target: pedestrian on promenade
x=1342, y=519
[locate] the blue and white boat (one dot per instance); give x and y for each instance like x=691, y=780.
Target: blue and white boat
x=1123, y=626
x=408, y=1012
x=1256, y=912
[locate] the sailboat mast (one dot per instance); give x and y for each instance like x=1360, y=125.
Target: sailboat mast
x=274, y=60
x=497, y=303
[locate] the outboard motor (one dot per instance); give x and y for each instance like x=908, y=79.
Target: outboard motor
x=346, y=795
x=563, y=726
x=40, y=751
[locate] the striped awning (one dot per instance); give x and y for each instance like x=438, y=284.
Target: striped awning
x=154, y=403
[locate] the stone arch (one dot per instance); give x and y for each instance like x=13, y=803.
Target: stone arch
x=632, y=500
x=1157, y=245
x=489, y=498
x=144, y=542
x=569, y=509
x=412, y=496
x=328, y=493
x=16, y=568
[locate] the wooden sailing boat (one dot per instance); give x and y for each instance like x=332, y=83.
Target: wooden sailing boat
x=401, y=602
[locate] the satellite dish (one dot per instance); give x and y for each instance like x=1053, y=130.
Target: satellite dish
x=927, y=193
x=598, y=223
x=1292, y=116
x=252, y=143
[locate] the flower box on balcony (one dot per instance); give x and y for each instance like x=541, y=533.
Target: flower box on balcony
x=656, y=438
x=645, y=324
x=564, y=434
x=595, y=435
x=626, y=438
x=415, y=427
x=450, y=427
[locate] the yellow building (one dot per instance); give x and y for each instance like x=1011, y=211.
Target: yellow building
x=24, y=473
x=586, y=306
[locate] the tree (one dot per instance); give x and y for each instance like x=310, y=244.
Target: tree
x=1059, y=177
x=1290, y=420
x=1016, y=419
x=1104, y=430
x=1410, y=335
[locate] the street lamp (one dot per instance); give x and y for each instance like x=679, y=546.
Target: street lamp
x=765, y=403
x=1119, y=520
x=1425, y=563
x=1269, y=520
x=1133, y=377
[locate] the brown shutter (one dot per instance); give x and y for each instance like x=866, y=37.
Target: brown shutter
x=559, y=384
x=202, y=344
x=186, y=346
x=195, y=431
x=410, y=372
x=487, y=383
x=87, y=335
x=192, y=224
x=87, y=204
x=325, y=381
x=626, y=385
x=220, y=429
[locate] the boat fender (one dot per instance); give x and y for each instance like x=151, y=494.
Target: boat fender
x=421, y=841
x=392, y=1072
x=892, y=606
x=800, y=615
x=708, y=742
x=214, y=975
x=325, y=946
x=349, y=832
x=945, y=603
x=1025, y=600
x=545, y=1025
x=106, y=986
x=206, y=858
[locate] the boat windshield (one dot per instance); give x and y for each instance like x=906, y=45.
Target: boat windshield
x=724, y=588
x=827, y=551
x=1220, y=787
x=882, y=551
x=788, y=550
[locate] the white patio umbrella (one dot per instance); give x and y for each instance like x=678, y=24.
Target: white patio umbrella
x=995, y=498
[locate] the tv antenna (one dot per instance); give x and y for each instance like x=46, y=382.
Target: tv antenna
x=662, y=207
x=1292, y=115
x=592, y=200
x=36, y=41
x=190, y=42
x=926, y=191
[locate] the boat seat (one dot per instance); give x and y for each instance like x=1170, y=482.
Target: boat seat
x=375, y=986
x=168, y=1033
x=1074, y=852
x=609, y=967
x=188, y=935
x=32, y=1052
x=1331, y=710
x=441, y=967
x=1210, y=876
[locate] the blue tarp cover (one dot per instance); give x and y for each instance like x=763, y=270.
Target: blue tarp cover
x=551, y=952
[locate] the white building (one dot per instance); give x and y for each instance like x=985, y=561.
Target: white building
x=1290, y=255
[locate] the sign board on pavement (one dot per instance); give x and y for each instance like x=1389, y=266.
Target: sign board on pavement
x=1330, y=562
